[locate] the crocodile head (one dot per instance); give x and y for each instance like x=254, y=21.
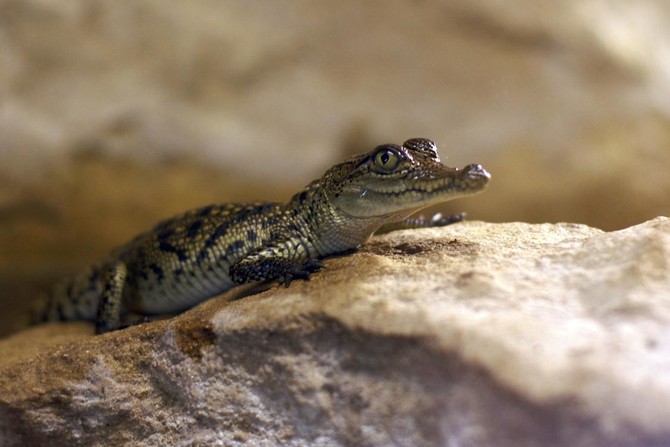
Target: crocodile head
x=399, y=180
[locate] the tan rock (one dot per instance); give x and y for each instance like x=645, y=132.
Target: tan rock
x=475, y=334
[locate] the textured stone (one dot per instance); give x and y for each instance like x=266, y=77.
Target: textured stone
x=475, y=334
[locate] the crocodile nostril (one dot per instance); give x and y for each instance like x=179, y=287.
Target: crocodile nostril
x=476, y=169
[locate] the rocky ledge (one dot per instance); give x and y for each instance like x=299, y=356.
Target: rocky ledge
x=473, y=335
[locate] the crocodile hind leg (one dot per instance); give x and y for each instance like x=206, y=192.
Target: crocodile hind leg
x=108, y=317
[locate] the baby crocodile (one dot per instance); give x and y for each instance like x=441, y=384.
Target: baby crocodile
x=204, y=252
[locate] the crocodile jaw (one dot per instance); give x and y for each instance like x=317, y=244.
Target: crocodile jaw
x=378, y=197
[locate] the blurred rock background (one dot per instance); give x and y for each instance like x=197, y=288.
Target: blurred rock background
x=117, y=113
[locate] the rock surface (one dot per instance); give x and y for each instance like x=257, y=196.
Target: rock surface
x=475, y=335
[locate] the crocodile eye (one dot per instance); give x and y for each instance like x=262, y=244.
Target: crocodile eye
x=386, y=159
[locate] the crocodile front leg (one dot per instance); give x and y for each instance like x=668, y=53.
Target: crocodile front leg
x=283, y=261
x=437, y=220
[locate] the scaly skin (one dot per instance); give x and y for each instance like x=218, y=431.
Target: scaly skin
x=204, y=252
